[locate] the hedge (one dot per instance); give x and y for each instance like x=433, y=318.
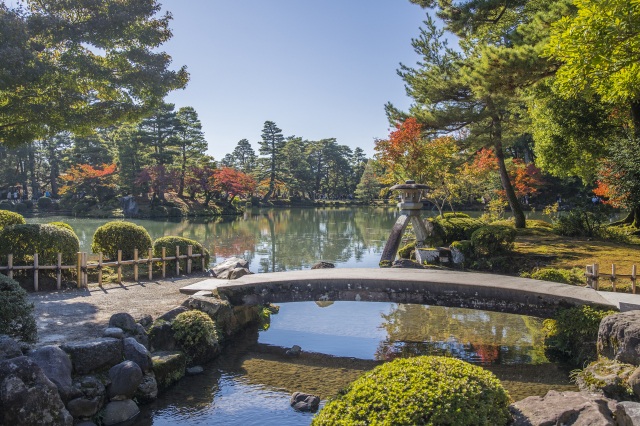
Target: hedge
x=425, y=390
x=492, y=239
x=118, y=235
x=456, y=228
x=47, y=240
x=170, y=244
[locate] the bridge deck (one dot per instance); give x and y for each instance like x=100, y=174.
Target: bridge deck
x=436, y=287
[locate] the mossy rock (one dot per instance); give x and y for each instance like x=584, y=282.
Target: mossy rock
x=424, y=390
x=408, y=251
x=168, y=367
x=608, y=377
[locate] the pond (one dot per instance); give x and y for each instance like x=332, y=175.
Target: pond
x=252, y=381
x=275, y=239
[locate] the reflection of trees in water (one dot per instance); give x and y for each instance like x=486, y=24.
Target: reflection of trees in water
x=476, y=336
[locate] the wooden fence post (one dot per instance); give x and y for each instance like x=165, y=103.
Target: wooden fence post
x=588, y=273
x=177, y=261
x=613, y=277
x=633, y=279
x=135, y=264
x=164, y=262
x=596, y=275
x=150, y=263
x=35, y=272
x=119, y=266
x=79, y=281
x=100, y=269
x=202, y=259
x=85, y=271
x=189, y=254
x=59, y=272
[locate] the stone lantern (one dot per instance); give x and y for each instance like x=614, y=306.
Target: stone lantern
x=410, y=205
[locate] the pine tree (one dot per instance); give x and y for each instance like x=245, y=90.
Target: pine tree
x=271, y=146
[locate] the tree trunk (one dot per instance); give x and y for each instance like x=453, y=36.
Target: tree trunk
x=635, y=117
x=183, y=172
x=514, y=203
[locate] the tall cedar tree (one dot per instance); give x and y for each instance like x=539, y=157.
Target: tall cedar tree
x=271, y=146
x=189, y=141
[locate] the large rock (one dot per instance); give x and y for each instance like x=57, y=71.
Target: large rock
x=119, y=411
x=229, y=319
x=564, y=408
x=323, y=265
x=94, y=355
x=28, y=397
x=238, y=272
x=123, y=321
x=628, y=413
x=138, y=353
x=89, y=397
x=172, y=314
x=56, y=365
x=147, y=389
x=304, y=402
x=223, y=269
x=162, y=337
x=619, y=337
x=125, y=378
x=607, y=376
x=168, y=367
x=9, y=348
x=115, y=332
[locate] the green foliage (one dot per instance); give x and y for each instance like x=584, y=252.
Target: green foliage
x=170, y=244
x=565, y=276
x=450, y=215
x=10, y=218
x=537, y=223
x=456, y=228
x=573, y=333
x=492, y=239
x=425, y=390
x=125, y=236
x=406, y=251
x=47, y=240
x=45, y=203
x=63, y=225
x=195, y=331
x=580, y=222
x=16, y=315
x=6, y=205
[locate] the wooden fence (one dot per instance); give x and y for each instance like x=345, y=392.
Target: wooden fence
x=83, y=266
x=593, y=275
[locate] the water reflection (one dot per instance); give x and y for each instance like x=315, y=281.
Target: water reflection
x=275, y=239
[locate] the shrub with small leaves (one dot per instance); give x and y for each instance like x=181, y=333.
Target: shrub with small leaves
x=117, y=235
x=10, y=218
x=457, y=228
x=63, y=225
x=572, y=334
x=490, y=240
x=45, y=203
x=47, y=240
x=424, y=390
x=16, y=315
x=170, y=243
x=195, y=331
x=564, y=276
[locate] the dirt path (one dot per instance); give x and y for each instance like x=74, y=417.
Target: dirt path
x=81, y=314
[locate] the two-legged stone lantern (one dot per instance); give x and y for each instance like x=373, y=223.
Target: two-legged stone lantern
x=410, y=205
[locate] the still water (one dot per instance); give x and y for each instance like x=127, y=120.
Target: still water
x=251, y=383
x=273, y=239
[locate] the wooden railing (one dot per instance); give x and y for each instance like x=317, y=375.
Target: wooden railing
x=83, y=266
x=593, y=275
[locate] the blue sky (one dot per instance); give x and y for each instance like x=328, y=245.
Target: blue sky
x=318, y=69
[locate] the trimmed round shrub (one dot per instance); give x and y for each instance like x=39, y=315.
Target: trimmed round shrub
x=63, y=225
x=170, y=244
x=6, y=205
x=572, y=334
x=457, y=228
x=10, y=218
x=117, y=235
x=425, y=390
x=16, y=315
x=47, y=240
x=564, y=276
x=196, y=333
x=492, y=239
x=21, y=207
x=450, y=215
x=45, y=203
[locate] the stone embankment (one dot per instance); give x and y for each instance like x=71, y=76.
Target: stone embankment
x=102, y=380
x=610, y=386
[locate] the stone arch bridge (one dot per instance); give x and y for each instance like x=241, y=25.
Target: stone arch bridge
x=429, y=287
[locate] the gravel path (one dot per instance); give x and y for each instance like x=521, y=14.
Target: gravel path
x=80, y=314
